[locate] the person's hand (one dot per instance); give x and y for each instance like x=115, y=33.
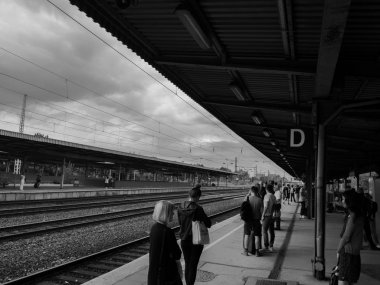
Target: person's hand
x=179, y=267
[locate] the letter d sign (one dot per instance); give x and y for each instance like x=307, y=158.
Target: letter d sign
x=299, y=141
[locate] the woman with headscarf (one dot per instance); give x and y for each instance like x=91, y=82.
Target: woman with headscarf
x=164, y=252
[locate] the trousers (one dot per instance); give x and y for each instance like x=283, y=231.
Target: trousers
x=268, y=224
x=191, y=253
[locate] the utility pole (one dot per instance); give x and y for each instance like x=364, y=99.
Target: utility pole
x=17, y=164
x=22, y=117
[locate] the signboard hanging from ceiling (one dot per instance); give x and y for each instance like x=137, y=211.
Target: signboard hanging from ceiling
x=299, y=138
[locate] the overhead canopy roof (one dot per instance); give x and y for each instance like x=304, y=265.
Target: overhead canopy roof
x=275, y=59
x=46, y=150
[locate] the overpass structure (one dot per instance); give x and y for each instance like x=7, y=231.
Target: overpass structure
x=270, y=69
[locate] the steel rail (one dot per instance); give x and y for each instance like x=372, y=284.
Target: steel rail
x=87, y=205
x=19, y=231
x=89, y=267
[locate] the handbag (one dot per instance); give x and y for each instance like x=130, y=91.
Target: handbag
x=246, y=211
x=334, y=276
x=200, y=233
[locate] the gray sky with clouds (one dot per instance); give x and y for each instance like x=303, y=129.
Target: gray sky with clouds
x=81, y=90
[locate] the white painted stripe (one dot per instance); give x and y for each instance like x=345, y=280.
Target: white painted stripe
x=223, y=237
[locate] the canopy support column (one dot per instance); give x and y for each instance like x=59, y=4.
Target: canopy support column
x=319, y=260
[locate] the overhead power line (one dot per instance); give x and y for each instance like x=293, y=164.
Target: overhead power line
x=128, y=59
x=91, y=90
x=108, y=133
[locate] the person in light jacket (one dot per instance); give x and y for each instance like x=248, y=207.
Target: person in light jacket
x=191, y=211
x=164, y=252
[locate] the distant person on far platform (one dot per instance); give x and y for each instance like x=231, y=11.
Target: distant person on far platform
x=267, y=218
x=38, y=181
x=106, y=182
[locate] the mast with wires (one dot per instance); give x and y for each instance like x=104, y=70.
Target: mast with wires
x=22, y=116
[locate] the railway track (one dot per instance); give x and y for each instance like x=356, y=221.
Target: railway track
x=88, y=203
x=30, y=229
x=89, y=267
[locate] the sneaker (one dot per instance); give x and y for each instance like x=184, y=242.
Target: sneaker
x=271, y=249
x=258, y=254
x=245, y=252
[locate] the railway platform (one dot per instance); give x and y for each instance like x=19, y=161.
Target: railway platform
x=52, y=191
x=290, y=262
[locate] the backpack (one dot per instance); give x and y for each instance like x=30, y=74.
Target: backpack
x=246, y=211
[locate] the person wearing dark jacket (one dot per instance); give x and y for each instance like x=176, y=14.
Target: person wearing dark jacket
x=191, y=211
x=164, y=252
x=365, y=203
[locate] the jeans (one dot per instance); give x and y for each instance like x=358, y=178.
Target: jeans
x=191, y=253
x=268, y=223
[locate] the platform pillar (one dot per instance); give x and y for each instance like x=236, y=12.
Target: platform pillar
x=319, y=260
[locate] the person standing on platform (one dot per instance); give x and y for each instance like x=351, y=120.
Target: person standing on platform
x=365, y=203
x=292, y=198
x=302, y=200
x=106, y=182
x=263, y=191
x=111, y=182
x=286, y=194
x=255, y=226
x=348, y=252
x=267, y=218
x=188, y=212
x=38, y=181
x=277, y=208
x=164, y=252
x=297, y=193
x=372, y=219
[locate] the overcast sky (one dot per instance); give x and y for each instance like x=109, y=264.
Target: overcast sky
x=79, y=89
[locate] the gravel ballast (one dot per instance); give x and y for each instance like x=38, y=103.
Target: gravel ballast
x=25, y=256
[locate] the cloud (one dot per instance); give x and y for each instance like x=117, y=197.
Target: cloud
x=89, y=93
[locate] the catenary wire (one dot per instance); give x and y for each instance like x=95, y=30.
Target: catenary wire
x=125, y=57
x=88, y=116
x=115, y=135
x=95, y=92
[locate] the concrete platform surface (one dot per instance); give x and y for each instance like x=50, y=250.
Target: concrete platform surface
x=222, y=263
